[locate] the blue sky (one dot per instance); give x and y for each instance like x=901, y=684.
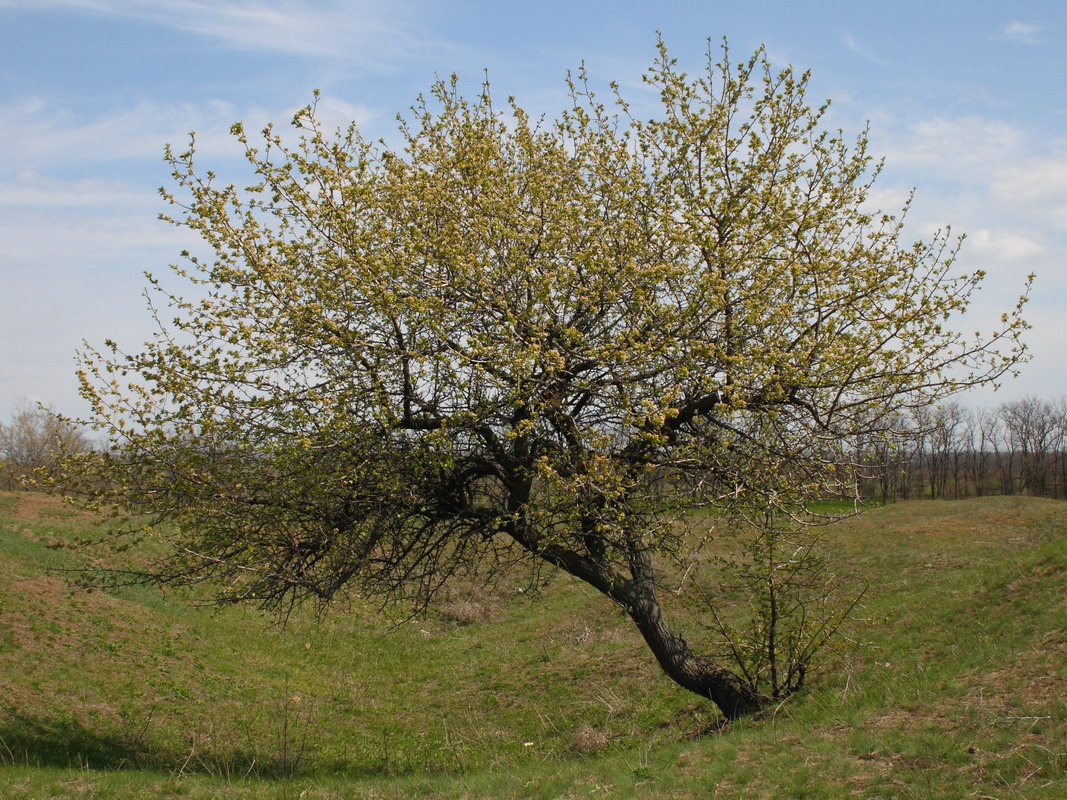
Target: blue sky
x=965, y=98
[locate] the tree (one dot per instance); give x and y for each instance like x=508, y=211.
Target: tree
x=34, y=443
x=518, y=338
x=1034, y=431
x=946, y=448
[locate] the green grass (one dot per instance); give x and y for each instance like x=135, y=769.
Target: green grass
x=956, y=690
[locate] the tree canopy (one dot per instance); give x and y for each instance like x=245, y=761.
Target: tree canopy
x=509, y=337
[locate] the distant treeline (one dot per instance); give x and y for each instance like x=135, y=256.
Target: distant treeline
x=1019, y=447
x=951, y=452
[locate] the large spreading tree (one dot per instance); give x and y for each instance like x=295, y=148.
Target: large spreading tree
x=507, y=336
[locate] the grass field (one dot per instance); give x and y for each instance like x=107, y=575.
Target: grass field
x=957, y=687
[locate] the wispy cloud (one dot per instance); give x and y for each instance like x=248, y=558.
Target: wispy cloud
x=41, y=134
x=988, y=178
x=1021, y=32
x=29, y=190
x=1038, y=184
x=1004, y=246
x=988, y=164
x=862, y=50
x=373, y=34
x=953, y=148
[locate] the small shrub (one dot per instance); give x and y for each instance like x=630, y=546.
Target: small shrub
x=464, y=612
x=588, y=740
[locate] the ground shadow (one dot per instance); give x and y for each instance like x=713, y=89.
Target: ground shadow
x=30, y=740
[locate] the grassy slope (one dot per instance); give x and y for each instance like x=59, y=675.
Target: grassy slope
x=959, y=691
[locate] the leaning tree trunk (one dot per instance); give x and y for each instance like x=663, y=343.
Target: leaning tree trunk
x=637, y=594
x=689, y=670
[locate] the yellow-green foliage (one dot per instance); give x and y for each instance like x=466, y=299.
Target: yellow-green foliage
x=508, y=331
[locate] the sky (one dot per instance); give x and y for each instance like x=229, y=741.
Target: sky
x=965, y=100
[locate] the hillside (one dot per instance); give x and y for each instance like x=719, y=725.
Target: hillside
x=536, y=687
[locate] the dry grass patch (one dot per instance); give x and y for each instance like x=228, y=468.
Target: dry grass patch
x=589, y=740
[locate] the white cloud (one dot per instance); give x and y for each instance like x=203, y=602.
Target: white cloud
x=373, y=34
x=886, y=199
x=1021, y=32
x=954, y=147
x=334, y=113
x=1035, y=181
x=29, y=189
x=43, y=240
x=980, y=167
x=1002, y=187
x=37, y=133
x=1003, y=246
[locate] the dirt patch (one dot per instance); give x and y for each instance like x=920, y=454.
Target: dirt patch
x=37, y=505
x=1036, y=674
x=33, y=505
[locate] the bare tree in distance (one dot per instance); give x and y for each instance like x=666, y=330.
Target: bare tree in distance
x=1018, y=447
x=1035, y=431
x=34, y=442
